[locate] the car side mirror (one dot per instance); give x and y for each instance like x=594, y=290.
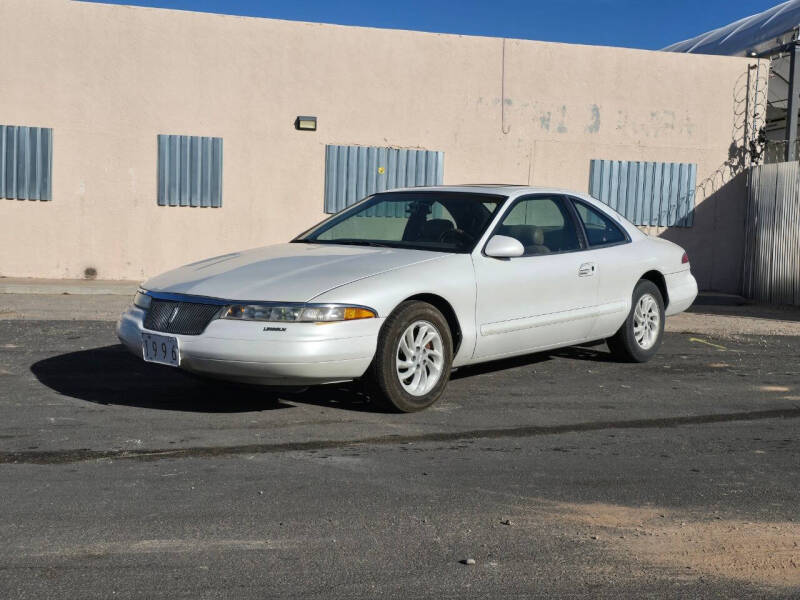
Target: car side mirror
x=502, y=246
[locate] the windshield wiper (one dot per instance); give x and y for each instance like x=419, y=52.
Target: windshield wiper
x=349, y=242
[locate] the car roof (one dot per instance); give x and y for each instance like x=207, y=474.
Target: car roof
x=500, y=189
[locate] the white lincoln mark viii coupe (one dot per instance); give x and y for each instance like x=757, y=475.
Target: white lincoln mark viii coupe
x=402, y=287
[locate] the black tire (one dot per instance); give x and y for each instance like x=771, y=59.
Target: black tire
x=383, y=380
x=623, y=344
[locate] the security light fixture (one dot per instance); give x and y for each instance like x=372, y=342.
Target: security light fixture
x=305, y=123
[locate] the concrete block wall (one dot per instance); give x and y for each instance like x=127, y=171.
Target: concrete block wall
x=108, y=79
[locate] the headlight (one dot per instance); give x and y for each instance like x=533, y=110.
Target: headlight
x=142, y=300
x=300, y=313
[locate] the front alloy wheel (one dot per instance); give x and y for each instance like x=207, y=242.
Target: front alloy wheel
x=413, y=359
x=420, y=358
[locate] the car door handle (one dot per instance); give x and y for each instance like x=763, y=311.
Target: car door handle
x=586, y=270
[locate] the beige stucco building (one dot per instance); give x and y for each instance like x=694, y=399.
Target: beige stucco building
x=109, y=79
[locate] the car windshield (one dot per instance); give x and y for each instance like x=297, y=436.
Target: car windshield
x=425, y=220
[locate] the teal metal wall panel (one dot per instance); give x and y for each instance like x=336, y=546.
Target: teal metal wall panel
x=354, y=172
x=26, y=162
x=646, y=193
x=189, y=171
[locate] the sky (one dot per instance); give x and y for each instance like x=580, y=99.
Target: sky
x=649, y=24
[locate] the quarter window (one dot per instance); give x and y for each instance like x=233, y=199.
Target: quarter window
x=542, y=225
x=600, y=230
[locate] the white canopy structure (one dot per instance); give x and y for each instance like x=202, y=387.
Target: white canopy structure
x=752, y=35
x=771, y=34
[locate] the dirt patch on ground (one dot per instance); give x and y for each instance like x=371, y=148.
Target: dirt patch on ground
x=730, y=326
x=762, y=553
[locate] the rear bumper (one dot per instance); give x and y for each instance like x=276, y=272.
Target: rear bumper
x=303, y=354
x=682, y=290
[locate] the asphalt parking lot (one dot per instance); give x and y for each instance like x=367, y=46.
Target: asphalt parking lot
x=561, y=474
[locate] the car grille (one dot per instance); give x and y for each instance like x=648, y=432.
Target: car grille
x=191, y=318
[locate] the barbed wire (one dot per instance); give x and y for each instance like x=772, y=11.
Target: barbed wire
x=748, y=138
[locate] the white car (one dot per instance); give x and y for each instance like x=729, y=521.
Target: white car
x=404, y=286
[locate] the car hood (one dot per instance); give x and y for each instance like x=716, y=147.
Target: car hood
x=284, y=272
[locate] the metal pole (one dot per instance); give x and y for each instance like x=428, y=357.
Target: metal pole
x=754, y=130
x=745, y=140
x=792, y=104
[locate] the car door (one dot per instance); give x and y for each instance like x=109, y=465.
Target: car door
x=543, y=298
x=609, y=251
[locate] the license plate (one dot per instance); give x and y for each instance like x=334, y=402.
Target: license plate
x=161, y=349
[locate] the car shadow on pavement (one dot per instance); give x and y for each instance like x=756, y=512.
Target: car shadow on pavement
x=586, y=352
x=353, y=396
x=346, y=396
x=110, y=375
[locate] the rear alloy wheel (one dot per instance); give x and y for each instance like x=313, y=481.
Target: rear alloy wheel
x=640, y=335
x=646, y=322
x=413, y=358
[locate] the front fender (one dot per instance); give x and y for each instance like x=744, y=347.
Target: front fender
x=452, y=278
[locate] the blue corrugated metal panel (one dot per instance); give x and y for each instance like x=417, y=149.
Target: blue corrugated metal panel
x=353, y=172
x=26, y=162
x=189, y=171
x=646, y=193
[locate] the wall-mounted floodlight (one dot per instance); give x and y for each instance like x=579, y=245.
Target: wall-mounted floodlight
x=305, y=123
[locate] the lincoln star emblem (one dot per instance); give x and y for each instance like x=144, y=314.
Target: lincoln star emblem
x=174, y=314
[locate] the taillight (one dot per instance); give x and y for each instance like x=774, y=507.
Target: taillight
x=685, y=258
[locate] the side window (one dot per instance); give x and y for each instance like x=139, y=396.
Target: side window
x=542, y=224
x=600, y=230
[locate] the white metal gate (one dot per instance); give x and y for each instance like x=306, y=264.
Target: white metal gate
x=772, y=234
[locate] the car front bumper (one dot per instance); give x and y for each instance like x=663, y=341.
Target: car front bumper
x=245, y=351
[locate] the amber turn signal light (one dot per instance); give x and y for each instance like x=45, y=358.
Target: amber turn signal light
x=352, y=313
